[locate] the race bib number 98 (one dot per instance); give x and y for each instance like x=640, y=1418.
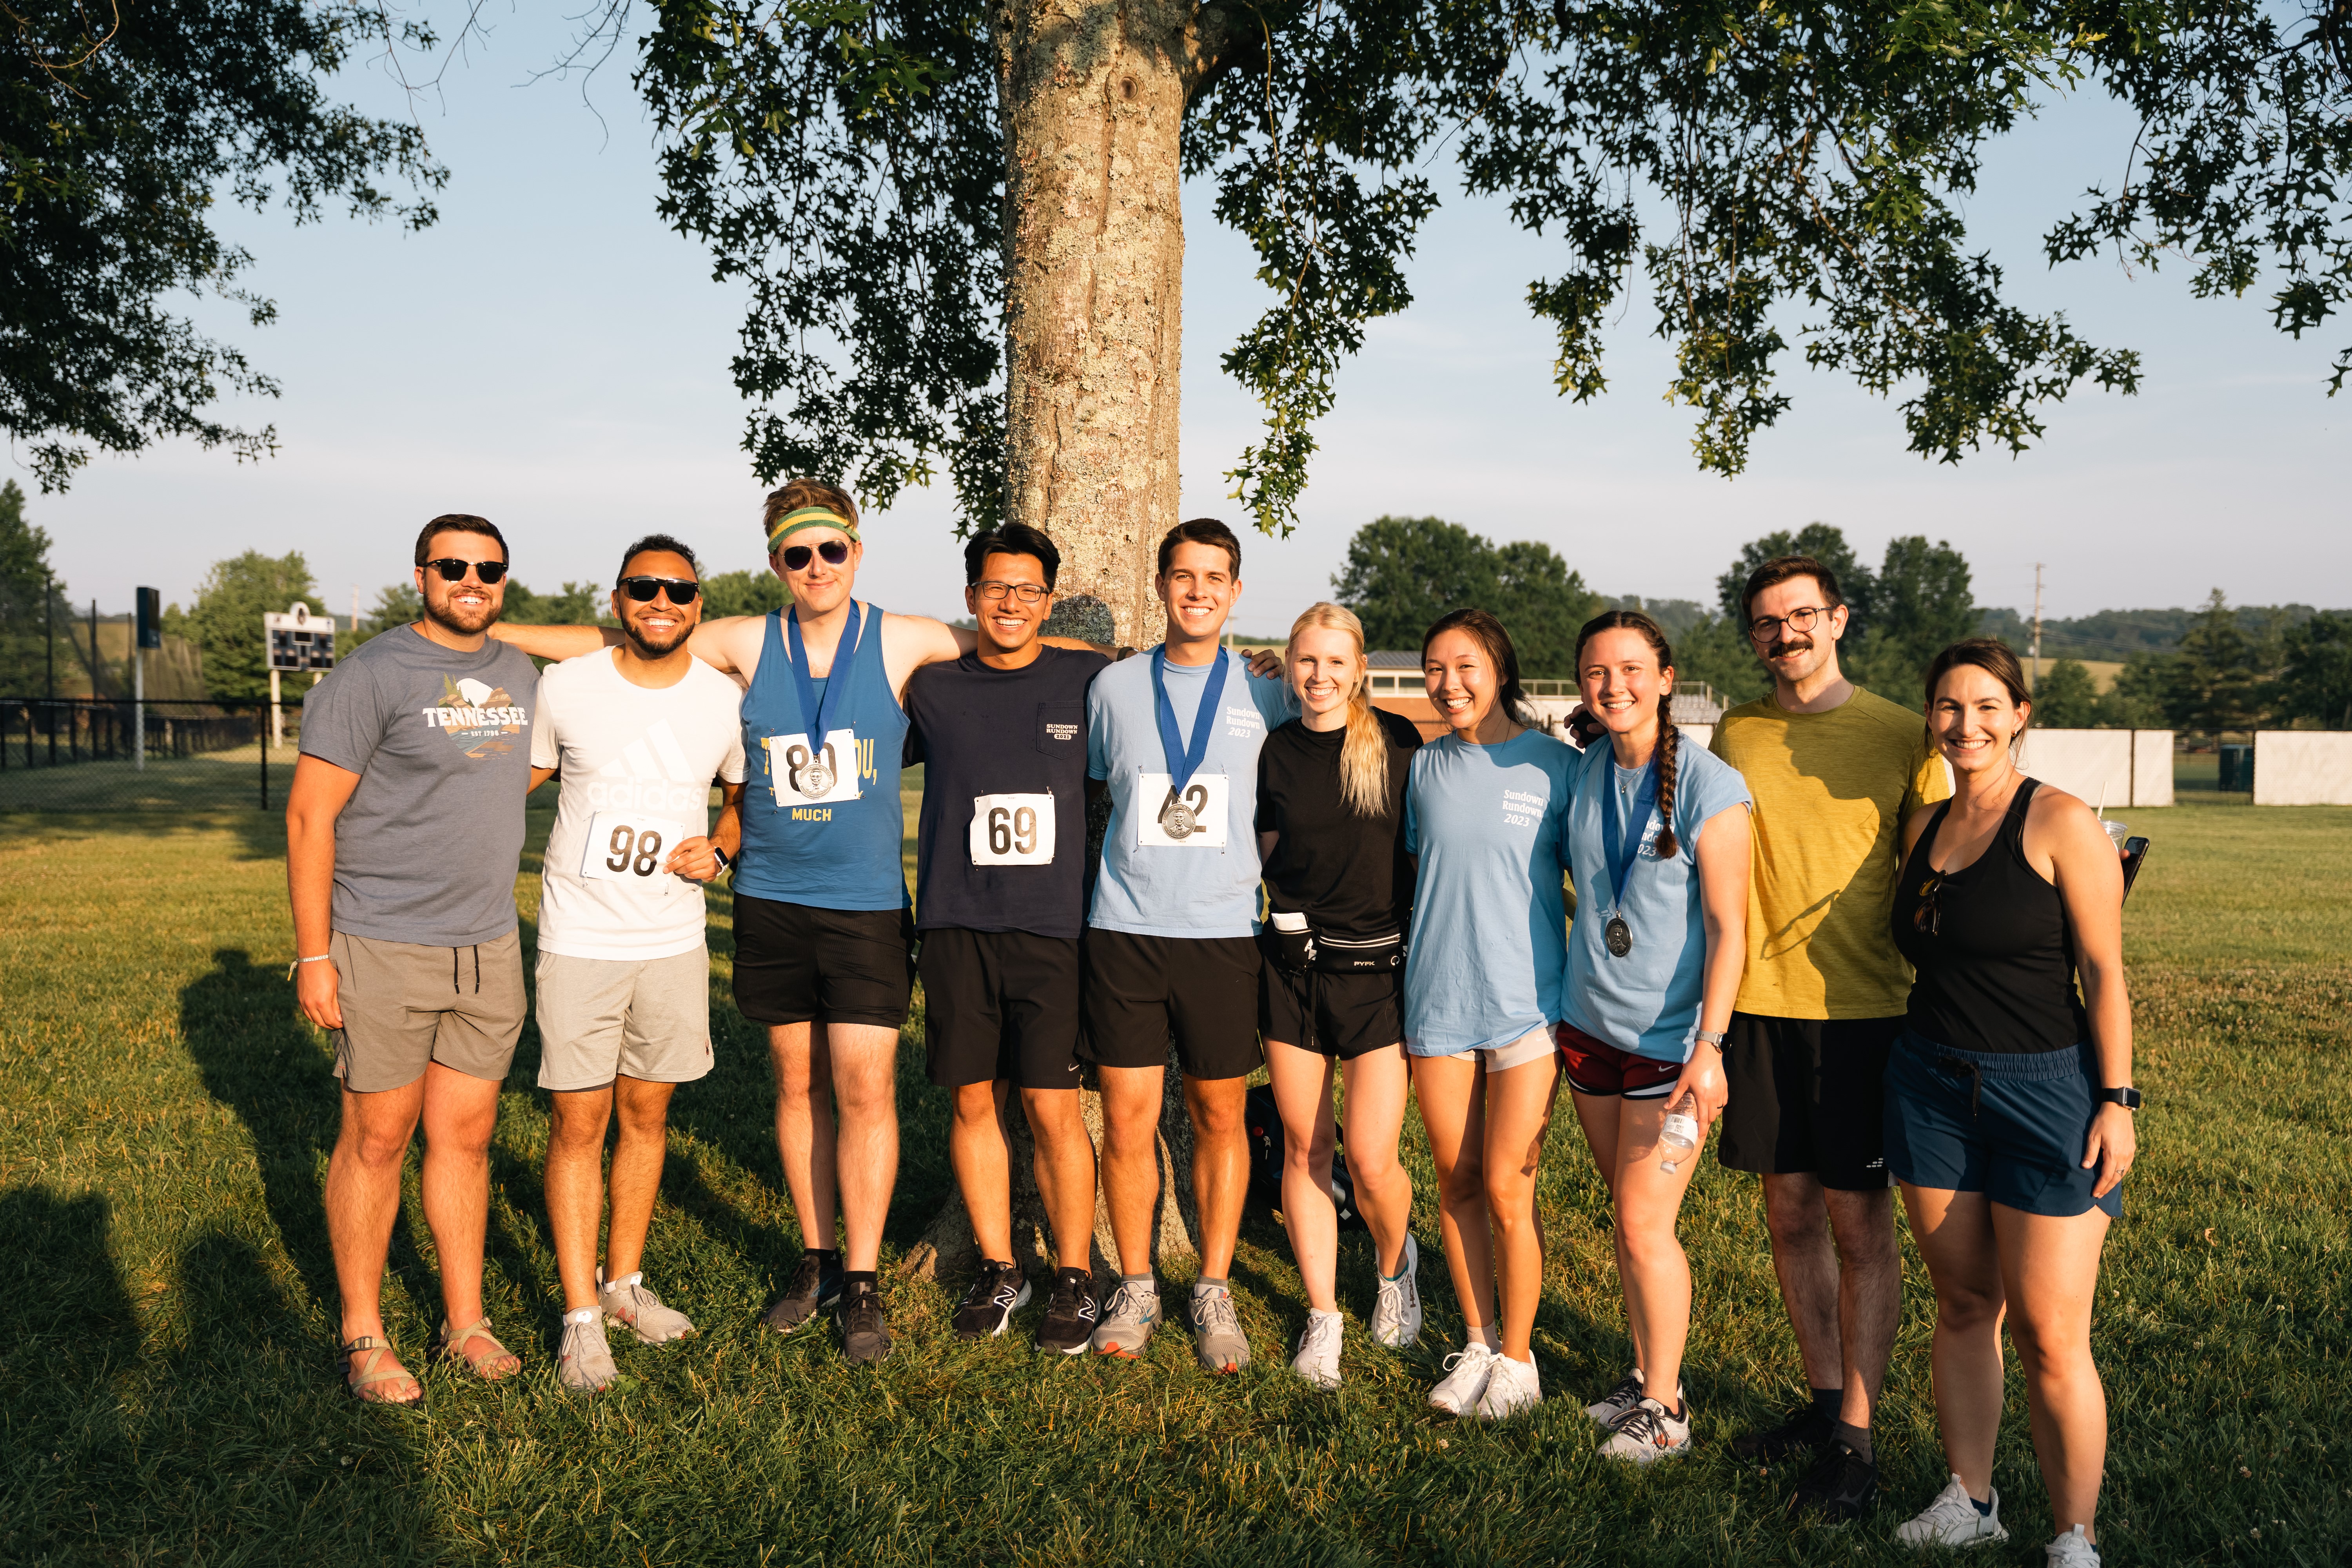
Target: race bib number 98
x=1192, y=818
x=1013, y=830
x=803, y=774
x=629, y=849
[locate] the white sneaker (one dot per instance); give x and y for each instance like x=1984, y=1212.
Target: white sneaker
x=2071, y=1550
x=1396, y=1315
x=583, y=1361
x=1318, y=1360
x=1648, y=1433
x=1952, y=1520
x=1511, y=1386
x=631, y=1303
x=1458, y=1392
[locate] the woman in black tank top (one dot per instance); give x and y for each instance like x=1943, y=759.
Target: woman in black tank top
x=2008, y=1118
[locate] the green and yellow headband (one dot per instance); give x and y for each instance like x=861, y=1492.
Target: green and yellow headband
x=791, y=523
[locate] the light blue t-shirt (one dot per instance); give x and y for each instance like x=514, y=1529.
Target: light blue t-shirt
x=1164, y=890
x=1489, y=923
x=1646, y=1001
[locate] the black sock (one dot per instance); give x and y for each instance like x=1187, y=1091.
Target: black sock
x=1858, y=1439
x=1826, y=1402
x=1984, y=1508
x=851, y=1278
x=828, y=1257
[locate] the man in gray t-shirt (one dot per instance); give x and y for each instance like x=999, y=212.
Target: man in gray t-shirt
x=404, y=829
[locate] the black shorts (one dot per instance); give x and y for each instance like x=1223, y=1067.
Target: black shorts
x=1341, y=1015
x=1808, y=1097
x=796, y=963
x=1000, y=1005
x=1202, y=990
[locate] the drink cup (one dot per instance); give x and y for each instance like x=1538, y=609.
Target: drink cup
x=2116, y=833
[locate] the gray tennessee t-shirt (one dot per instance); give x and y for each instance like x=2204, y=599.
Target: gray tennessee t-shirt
x=428, y=848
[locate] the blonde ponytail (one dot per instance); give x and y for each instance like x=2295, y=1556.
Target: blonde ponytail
x=1364, y=753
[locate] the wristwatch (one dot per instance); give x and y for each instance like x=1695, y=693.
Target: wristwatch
x=725, y=864
x=2129, y=1099
x=1709, y=1037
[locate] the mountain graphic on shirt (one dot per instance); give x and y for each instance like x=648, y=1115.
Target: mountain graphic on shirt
x=482, y=720
x=648, y=773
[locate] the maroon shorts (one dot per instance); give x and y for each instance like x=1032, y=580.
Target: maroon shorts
x=1596, y=1067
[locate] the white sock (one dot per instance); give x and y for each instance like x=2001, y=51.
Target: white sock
x=1315, y=1314
x=1490, y=1336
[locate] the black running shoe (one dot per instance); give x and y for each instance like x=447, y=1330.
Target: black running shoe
x=813, y=1287
x=997, y=1292
x=1803, y=1432
x=865, y=1327
x=1839, y=1489
x=1069, y=1325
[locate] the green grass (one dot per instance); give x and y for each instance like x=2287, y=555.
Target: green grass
x=166, y=1334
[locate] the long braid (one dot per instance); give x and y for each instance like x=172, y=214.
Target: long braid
x=1667, y=737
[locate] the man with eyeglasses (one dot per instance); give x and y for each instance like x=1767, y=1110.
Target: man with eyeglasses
x=1834, y=771
x=404, y=829
x=1001, y=895
x=639, y=733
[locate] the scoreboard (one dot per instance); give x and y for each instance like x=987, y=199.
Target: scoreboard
x=300, y=640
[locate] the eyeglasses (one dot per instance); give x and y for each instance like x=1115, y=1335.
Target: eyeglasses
x=643, y=589
x=835, y=551
x=1028, y=593
x=1927, y=919
x=454, y=571
x=1765, y=628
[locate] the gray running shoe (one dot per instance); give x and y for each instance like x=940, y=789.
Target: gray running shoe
x=631, y=1303
x=1396, y=1314
x=1217, y=1337
x=865, y=1327
x=583, y=1363
x=1128, y=1322
x=814, y=1288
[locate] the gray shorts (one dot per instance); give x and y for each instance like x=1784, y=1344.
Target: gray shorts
x=600, y=1018
x=405, y=1005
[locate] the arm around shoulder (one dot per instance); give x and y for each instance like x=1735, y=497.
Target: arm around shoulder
x=555, y=642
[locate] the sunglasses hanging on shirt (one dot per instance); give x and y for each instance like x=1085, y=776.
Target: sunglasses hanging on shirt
x=455, y=571
x=835, y=551
x=643, y=589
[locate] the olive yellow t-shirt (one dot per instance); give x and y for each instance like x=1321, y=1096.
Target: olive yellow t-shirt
x=1832, y=792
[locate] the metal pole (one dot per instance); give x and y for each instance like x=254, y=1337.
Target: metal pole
x=97, y=663
x=265, y=763
x=49, y=615
x=2033, y=683
x=137, y=703
x=277, y=721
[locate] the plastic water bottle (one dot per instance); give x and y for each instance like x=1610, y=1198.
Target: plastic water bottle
x=1679, y=1136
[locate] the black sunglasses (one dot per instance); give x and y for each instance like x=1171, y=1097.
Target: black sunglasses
x=835, y=551
x=1927, y=919
x=643, y=589
x=454, y=571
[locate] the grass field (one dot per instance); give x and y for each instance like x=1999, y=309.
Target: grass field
x=166, y=1337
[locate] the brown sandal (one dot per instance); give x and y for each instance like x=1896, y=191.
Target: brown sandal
x=502, y=1363
x=361, y=1374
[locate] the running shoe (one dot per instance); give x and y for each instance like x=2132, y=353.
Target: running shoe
x=1617, y=1401
x=631, y=1303
x=1069, y=1325
x=1807, y=1428
x=1464, y=1382
x=583, y=1361
x=1952, y=1520
x=998, y=1290
x=1511, y=1386
x=2071, y=1550
x=1128, y=1322
x=815, y=1287
x=1318, y=1360
x=864, y=1326
x=1839, y=1489
x=1396, y=1314
x=1217, y=1337
x=1648, y=1433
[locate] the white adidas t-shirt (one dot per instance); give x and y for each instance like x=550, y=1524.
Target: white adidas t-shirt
x=638, y=766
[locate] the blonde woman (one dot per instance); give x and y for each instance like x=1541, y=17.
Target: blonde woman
x=1331, y=818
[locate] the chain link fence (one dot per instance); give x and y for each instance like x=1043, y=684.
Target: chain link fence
x=78, y=753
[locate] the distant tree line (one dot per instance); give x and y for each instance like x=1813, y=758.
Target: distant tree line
x=2228, y=673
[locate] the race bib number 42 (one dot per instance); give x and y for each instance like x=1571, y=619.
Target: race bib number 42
x=1013, y=830
x=1189, y=819
x=803, y=774
x=627, y=848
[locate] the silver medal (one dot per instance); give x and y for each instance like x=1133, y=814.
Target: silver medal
x=1178, y=820
x=1617, y=936
x=816, y=780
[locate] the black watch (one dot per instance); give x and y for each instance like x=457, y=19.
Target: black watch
x=2129, y=1099
x=725, y=864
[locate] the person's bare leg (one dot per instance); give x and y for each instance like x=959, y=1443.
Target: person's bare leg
x=1955, y=1234
x=1220, y=1166
x=1649, y=1260
x=460, y=1113
x=1377, y=1086
x=1870, y=1295
x=1598, y=1115
x=804, y=1130
x=865, y=1160
x=643, y=1109
x=1130, y=1160
x=1797, y=1218
x=2051, y=1269
x=1064, y=1164
x=1302, y=1094
x=363, y=1201
x=576, y=1120
x=982, y=1158
x=1452, y=1109
x=1517, y=1101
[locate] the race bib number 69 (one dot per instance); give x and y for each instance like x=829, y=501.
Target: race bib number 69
x=1013, y=830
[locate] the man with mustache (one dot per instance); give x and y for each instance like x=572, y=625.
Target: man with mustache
x=1834, y=771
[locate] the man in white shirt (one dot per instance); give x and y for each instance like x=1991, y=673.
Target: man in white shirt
x=639, y=732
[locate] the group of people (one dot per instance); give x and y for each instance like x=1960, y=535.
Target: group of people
x=1791, y=931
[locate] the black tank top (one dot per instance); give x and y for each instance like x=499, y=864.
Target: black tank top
x=1996, y=972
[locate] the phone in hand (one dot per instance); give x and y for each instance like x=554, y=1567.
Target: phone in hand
x=2134, y=851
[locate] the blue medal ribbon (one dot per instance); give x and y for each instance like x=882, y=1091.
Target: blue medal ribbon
x=1619, y=853
x=1184, y=761
x=819, y=716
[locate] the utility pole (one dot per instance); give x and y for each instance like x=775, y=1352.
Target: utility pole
x=2033, y=682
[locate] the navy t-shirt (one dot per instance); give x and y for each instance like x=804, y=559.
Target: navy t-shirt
x=1001, y=844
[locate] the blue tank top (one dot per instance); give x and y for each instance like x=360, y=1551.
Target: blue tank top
x=822, y=821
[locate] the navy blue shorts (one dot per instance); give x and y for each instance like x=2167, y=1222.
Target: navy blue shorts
x=2011, y=1126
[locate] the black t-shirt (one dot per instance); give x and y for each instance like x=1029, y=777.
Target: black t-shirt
x=981, y=732
x=1347, y=874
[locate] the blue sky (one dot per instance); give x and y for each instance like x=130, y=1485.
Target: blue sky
x=551, y=356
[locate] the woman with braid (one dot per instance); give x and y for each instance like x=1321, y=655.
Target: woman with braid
x=1657, y=838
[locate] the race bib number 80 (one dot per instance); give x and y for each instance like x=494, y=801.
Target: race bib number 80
x=1013, y=830
x=1189, y=819
x=803, y=774
x=632, y=849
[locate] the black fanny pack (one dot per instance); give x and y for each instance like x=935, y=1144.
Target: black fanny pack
x=1310, y=951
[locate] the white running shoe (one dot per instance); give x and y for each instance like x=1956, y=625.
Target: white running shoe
x=1952, y=1520
x=583, y=1361
x=2071, y=1550
x=1318, y=1360
x=629, y=1303
x=1511, y=1386
x=1648, y=1433
x=1396, y=1315
x=1459, y=1391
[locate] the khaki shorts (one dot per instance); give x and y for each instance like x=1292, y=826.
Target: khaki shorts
x=405, y=1005
x=604, y=1017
